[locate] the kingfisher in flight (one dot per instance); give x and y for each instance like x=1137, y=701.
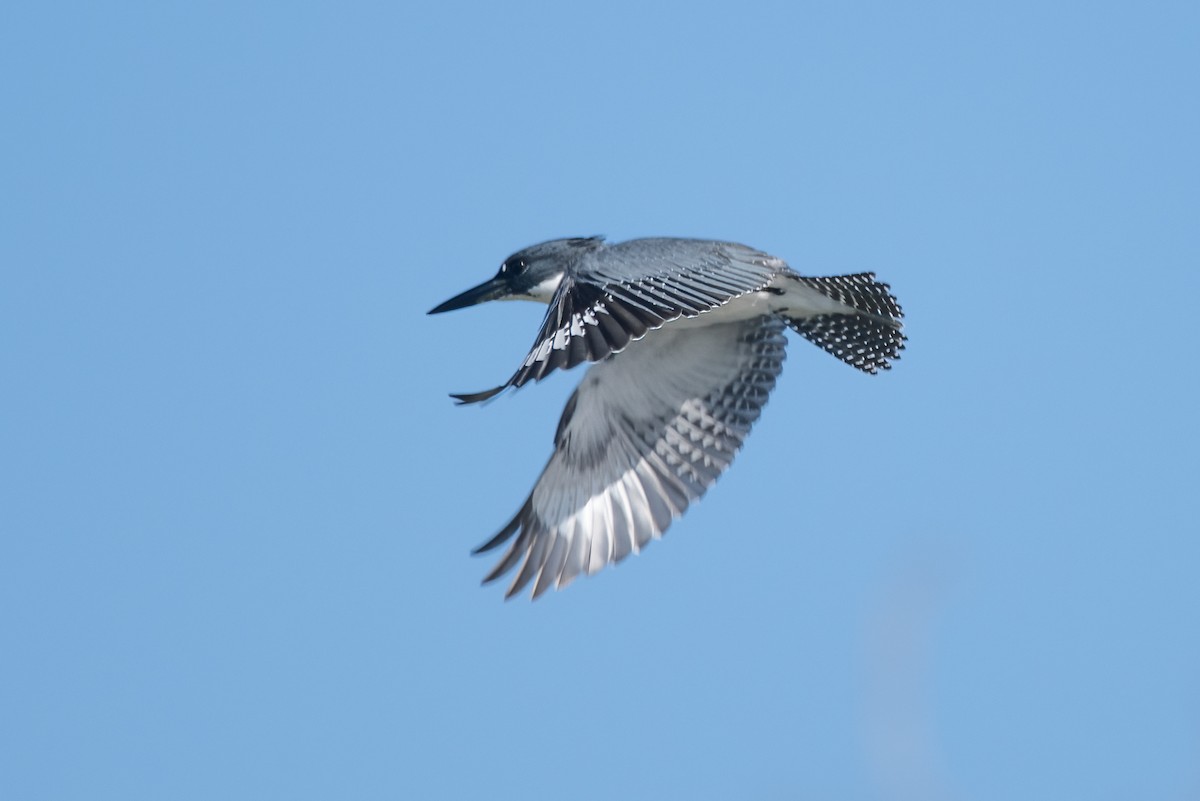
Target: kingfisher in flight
x=686, y=340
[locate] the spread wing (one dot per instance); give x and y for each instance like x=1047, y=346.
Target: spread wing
x=628, y=289
x=642, y=437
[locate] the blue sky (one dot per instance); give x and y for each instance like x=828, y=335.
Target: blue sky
x=236, y=502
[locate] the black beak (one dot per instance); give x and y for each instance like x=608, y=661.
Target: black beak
x=489, y=290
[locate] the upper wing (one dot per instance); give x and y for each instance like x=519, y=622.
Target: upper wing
x=642, y=437
x=625, y=290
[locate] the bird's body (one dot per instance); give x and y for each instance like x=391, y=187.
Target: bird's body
x=687, y=337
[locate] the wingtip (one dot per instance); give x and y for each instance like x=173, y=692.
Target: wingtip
x=509, y=594
x=480, y=550
x=503, y=535
x=467, y=398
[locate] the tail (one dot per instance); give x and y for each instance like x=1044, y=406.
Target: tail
x=868, y=334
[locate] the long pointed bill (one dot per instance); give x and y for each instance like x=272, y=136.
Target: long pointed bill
x=488, y=290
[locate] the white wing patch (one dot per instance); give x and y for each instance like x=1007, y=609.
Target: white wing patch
x=574, y=328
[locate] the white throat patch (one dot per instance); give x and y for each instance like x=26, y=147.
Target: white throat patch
x=542, y=292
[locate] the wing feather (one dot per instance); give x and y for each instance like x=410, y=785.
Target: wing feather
x=641, y=439
x=618, y=293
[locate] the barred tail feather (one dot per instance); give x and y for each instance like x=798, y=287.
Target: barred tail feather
x=869, y=338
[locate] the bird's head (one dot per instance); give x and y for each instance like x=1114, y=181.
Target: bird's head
x=530, y=274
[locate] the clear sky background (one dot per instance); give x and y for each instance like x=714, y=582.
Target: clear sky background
x=236, y=502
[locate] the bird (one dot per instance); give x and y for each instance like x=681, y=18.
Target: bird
x=686, y=338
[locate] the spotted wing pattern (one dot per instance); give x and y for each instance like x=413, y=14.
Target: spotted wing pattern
x=631, y=454
x=869, y=340
x=628, y=289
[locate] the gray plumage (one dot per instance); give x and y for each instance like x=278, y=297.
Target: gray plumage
x=687, y=336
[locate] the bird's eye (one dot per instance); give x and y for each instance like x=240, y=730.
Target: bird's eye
x=513, y=267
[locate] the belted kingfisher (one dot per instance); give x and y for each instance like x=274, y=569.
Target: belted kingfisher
x=688, y=339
